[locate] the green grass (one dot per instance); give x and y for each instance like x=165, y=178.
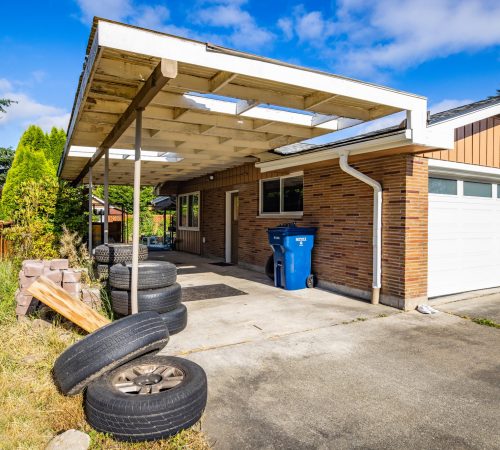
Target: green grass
x=486, y=322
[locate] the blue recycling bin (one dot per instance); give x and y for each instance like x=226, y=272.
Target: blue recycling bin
x=292, y=247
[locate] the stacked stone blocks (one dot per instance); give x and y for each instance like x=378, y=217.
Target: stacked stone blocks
x=58, y=271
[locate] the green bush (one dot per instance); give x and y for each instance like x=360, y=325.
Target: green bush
x=32, y=232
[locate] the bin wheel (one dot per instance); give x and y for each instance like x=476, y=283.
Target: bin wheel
x=310, y=281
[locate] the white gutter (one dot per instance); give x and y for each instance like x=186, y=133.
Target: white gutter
x=377, y=221
x=370, y=145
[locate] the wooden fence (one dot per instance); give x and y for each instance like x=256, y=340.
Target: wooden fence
x=4, y=243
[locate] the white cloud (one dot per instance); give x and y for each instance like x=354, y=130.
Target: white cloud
x=365, y=38
x=25, y=112
x=313, y=27
x=109, y=9
x=244, y=31
x=285, y=24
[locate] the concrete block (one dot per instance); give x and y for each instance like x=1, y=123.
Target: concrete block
x=73, y=288
x=25, y=281
x=23, y=299
x=27, y=261
x=71, y=276
x=53, y=275
x=47, y=263
x=61, y=264
x=33, y=268
x=92, y=297
x=23, y=310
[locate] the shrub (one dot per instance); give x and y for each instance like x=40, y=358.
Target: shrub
x=9, y=271
x=32, y=232
x=29, y=163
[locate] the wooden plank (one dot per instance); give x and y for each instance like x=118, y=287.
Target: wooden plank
x=70, y=307
x=489, y=142
x=164, y=71
x=460, y=145
x=482, y=142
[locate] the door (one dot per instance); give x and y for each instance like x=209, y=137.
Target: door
x=235, y=206
x=464, y=236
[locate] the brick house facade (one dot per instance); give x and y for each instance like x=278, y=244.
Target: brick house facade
x=341, y=207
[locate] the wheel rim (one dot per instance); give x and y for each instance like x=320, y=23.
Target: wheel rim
x=147, y=379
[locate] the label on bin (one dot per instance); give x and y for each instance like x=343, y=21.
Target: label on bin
x=300, y=240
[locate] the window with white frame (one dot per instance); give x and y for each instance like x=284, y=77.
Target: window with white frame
x=283, y=195
x=189, y=211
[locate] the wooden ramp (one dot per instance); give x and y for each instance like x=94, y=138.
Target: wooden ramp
x=68, y=306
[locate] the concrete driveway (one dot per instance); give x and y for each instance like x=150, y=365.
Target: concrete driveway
x=311, y=369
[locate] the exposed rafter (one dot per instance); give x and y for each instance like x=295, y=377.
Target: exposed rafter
x=164, y=71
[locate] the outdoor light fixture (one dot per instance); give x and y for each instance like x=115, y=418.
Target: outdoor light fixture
x=211, y=177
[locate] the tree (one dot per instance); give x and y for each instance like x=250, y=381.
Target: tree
x=5, y=103
x=6, y=158
x=29, y=163
x=55, y=145
x=123, y=196
x=32, y=231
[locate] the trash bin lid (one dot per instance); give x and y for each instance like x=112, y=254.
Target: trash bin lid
x=293, y=231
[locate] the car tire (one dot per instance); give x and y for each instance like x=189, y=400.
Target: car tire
x=176, y=320
x=107, y=348
x=118, y=253
x=160, y=300
x=102, y=271
x=113, y=404
x=152, y=275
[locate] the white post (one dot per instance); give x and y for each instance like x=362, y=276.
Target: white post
x=137, y=208
x=90, y=212
x=106, y=195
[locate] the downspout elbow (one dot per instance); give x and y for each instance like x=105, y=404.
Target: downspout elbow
x=377, y=221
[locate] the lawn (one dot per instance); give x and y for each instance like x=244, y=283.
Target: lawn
x=33, y=411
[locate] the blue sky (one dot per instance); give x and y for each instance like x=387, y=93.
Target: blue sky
x=446, y=50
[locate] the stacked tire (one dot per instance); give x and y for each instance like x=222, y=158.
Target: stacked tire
x=107, y=255
x=157, y=291
x=131, y=392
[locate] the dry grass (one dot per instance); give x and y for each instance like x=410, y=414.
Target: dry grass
x=31, y=409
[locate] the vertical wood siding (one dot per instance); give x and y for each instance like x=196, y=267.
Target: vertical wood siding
x=476, y=143
x=188, y=241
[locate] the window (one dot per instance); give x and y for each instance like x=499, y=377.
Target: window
x=498, y=190
x=475, y=189
x=189, y=210
x=282, y=195
x=442, y=186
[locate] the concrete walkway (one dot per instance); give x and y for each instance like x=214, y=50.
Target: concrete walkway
x=311, y=369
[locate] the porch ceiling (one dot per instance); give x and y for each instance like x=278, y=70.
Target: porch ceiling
x=221, y=109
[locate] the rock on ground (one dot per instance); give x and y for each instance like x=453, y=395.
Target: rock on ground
x=70, y=440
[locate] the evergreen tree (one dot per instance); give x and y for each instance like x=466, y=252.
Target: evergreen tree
x=6, y=158
x=56, y=140
x=30, y=163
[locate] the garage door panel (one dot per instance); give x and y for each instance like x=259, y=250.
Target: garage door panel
x=464, y=244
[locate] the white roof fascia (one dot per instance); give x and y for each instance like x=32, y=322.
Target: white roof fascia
x=129, y=39
x=382, y=143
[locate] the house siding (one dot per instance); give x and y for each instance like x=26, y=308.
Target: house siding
x=475, y=143
x=342, y=209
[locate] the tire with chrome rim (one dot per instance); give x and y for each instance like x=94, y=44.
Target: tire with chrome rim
x=152, y=397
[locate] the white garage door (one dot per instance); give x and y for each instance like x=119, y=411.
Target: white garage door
x=464, y=236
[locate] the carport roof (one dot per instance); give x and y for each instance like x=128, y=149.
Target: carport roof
x=207, y=108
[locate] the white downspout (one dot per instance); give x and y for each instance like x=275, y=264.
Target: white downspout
x=377, y=221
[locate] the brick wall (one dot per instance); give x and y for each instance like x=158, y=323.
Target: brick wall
x=342, y=209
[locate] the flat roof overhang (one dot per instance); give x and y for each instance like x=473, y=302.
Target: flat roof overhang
x=206, y=108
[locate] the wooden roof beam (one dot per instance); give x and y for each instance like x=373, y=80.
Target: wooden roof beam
x=221, y=79
x=164, y=71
